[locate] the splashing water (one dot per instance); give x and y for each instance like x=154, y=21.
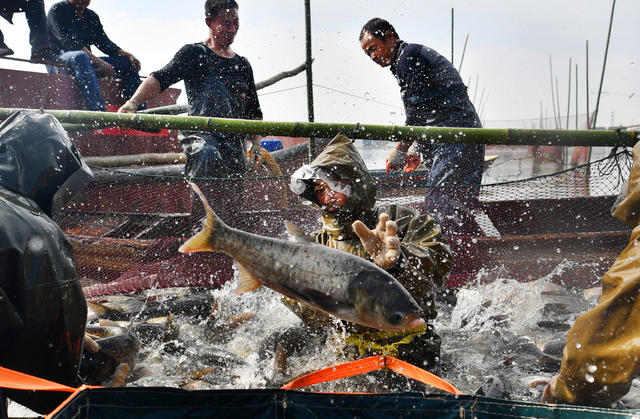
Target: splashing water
x=490, y=329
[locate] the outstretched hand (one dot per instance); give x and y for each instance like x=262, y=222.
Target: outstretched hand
x=382, y=244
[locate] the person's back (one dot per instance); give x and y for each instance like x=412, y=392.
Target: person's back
x=432, y=91
x=42, y=305
x=433, y=95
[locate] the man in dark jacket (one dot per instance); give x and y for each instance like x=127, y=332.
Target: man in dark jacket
x=399, y=239
x=433, y=94
x=73, y=29
x=38, y=37
x=42, y=307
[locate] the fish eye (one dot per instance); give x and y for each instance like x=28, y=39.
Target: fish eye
x=396, y=317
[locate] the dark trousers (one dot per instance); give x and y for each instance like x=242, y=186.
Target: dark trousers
x=453, y=209
x=36, y=18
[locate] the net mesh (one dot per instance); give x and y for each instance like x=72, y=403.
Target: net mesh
x=535, y=215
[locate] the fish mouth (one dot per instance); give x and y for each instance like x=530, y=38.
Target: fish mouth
x=412, y=324
x=415, y=323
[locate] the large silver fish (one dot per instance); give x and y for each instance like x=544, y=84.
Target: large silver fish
x=336, y=282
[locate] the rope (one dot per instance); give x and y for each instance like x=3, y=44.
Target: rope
x=614, y=155
x=372, y=363
x=368, y=342
x=582, y=166
x=615, y=163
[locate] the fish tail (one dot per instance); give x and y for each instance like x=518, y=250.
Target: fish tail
x=203, y=241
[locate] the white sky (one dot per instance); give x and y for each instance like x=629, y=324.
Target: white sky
x=508, y=51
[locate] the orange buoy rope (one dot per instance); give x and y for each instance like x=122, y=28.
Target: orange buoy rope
x=369, y=364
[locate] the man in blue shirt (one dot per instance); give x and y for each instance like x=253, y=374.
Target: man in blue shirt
x=73, y=29
x=433, y=94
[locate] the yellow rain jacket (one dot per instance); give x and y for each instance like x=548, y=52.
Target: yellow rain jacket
x=425, y=256
x=602, y=354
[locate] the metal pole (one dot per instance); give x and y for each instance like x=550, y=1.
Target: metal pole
x=541, y=117
x=307, y=14
x=464, y=49
x=475, y=88
x=559, y=122
x=553, y=101
x=577, y=96
x=604, y=64
x=483, y=106
x=569, y=95
x=587, y=81
x=452, y=35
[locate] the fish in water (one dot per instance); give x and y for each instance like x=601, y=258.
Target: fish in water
x=336, y=282
x=113, y=358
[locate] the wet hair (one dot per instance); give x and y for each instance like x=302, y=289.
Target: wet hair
x=213, y=7
x=378, y=28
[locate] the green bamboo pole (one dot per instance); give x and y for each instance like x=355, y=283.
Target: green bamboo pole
x=445, y=135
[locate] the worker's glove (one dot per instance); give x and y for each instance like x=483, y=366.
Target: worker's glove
x=402, y=157
x=382, y=244
x=413, y=159
x=254, y=154
x=129, y=107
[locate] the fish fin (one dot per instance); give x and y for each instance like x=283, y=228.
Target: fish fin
x=202, y=241
x=101, y=310
x=328, y=304
x=296, y=234
x=246, y=281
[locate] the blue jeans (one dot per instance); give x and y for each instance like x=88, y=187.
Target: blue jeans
x=85, y=75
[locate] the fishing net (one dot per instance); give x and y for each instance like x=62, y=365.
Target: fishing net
x=531, y=220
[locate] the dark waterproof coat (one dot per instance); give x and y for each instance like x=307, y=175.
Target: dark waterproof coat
x=425, y=256
x=602, y=355
x=42, y=307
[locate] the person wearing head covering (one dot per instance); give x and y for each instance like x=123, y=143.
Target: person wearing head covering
x=399, y=239
x=602, y=354
x=42, y=307
x=433, y=95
